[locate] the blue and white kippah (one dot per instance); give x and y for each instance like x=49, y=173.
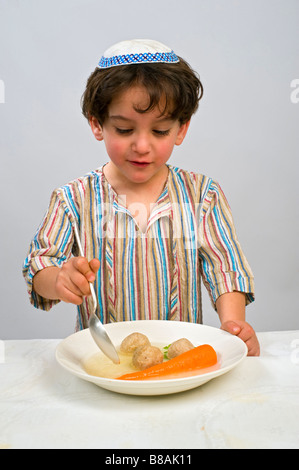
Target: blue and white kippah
x=137, y=51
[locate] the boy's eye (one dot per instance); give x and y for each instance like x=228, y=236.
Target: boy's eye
x=123, y=131
x=161, y=133
x=128, y=131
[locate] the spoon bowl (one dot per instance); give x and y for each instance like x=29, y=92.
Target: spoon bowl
x=101, y=338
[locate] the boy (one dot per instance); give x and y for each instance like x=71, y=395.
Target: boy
x=149, y=231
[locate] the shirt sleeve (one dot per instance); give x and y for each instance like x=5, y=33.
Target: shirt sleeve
x=224, y=267
x=51, y=246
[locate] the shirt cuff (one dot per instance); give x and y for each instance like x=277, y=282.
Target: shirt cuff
x=230, y=283
x=37, y=264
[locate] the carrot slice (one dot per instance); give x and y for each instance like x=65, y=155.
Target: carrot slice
x=194, y=359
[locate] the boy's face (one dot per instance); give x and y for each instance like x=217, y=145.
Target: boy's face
x=138, y=144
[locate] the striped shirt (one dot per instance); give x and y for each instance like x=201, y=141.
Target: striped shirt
x=151, y=274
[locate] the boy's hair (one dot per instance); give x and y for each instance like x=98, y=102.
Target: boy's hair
x=176, y=86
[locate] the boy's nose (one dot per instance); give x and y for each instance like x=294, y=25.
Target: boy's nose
x=141, y=144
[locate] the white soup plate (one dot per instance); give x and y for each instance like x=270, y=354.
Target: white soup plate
x=72, y=352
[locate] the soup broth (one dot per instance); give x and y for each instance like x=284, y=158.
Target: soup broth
x=100, y=365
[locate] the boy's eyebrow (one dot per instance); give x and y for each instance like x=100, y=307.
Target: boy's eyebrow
x=119, y=117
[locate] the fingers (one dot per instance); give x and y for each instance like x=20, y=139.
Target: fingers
x=231, y=327
x=94, y=265
x=83, y=267
x=253, y=347
x=245, y=332
x=67, y=290
x=72, y=283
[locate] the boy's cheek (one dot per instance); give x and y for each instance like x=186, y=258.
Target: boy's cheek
x=165, y=150
x=114, y=149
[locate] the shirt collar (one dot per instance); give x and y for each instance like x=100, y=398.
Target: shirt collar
x=161, y=208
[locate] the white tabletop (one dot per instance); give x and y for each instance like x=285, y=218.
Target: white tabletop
x=256, y=405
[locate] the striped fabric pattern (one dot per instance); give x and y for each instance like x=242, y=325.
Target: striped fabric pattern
x=154, y=274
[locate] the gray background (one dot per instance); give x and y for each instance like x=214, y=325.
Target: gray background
x=245, y=134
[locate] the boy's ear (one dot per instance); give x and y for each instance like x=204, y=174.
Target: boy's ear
x=96, y=128
x=182, y=133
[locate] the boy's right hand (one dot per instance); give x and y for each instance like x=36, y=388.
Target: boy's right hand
x=73, y=278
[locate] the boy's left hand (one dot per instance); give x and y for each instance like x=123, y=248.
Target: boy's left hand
x=244, y=331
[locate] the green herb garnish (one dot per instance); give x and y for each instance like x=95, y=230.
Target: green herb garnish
x=166, y=351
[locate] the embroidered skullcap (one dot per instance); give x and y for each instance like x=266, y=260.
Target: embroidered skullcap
x=137, y=51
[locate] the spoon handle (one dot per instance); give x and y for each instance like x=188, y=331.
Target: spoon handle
x=93, y=294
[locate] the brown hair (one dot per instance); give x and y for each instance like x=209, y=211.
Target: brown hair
x=177, y=86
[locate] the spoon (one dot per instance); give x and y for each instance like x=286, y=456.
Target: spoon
x=96, y=328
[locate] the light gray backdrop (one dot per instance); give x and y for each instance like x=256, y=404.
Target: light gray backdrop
x=245, y=134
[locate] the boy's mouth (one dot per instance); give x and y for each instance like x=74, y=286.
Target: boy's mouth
x=139, y=164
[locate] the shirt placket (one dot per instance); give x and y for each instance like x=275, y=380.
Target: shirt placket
x=117, y=216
